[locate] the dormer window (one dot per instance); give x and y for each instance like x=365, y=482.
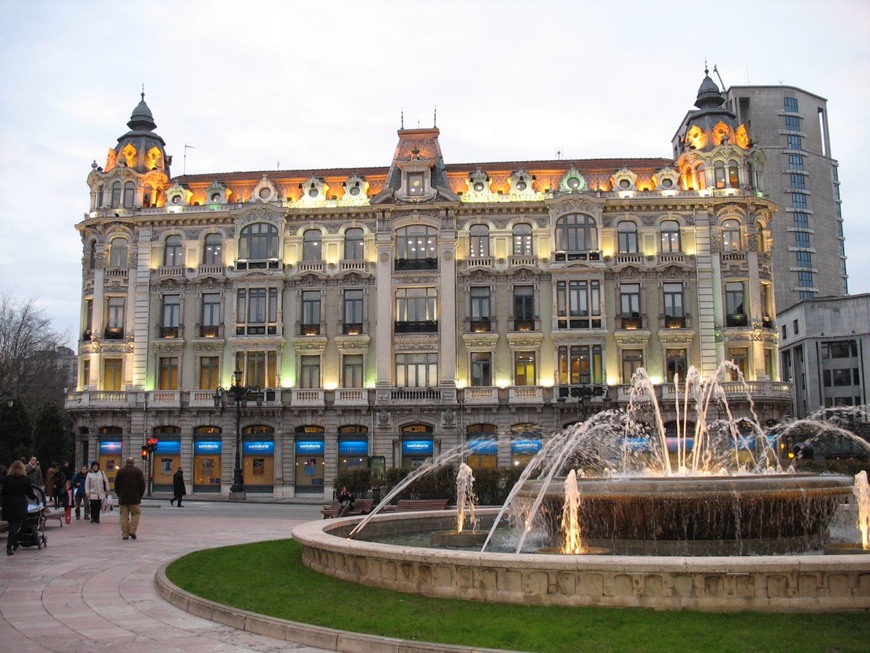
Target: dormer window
x=415, y=184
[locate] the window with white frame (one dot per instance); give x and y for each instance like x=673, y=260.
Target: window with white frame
x=353, y=311
x=481, y=369
x=731, y=240
x=354, y=245
x=579, y=364
x=167, y=373
x=670, y=237
x=417, y=370
x=522, y=240
x=258, y=241
x=258, y=368
x=209, y=372
x=309, y=371
x=172, y=254
x=256, y=311
x=626, y=232
x=352, y=371
x=212, y=252
x=525, y=372
x=118, y=253
x=578, y=304
x=170, y=316
x=478, y=241
x=311, y=245
x=210, y=319
x=310, y=324
x=576, y=232
x=115, y=317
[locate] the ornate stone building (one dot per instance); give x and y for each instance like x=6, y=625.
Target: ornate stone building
x=389, y=313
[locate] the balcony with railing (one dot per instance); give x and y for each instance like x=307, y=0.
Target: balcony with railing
x=583, y=321
x=528, y=261
x=420, y=326
x=736, y=320
x=307, y=398
x=351, y=397
x=171, y=271
x=480, y=325
x=476, y=262
x=526, y=394
x=670, y=257
x=411, y=264
x=257, y=329
x=164, y=399
x=211, y=271
x=480, y=396
x=525, y=324
x=259, y=264
x=170, y=332
x=100, y=399
x=621, y=258
x=583, y=255
x=629, y=321
x=311, y=266
x=354, y=328
x=675, y=322
x=353, y=266
x=410, y=396
x=115, y=274
x=210, y=330
x=310, y=329
x=113, y=333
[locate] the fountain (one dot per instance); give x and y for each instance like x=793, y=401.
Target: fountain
x=861, y=490
x=462, y=537
x=669, y=506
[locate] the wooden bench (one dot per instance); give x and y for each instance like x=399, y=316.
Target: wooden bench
x=360, y=507
x=411, y=505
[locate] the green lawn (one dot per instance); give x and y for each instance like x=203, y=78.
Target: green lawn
x=269, y=578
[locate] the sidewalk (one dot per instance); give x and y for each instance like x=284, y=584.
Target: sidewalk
x=90, y=591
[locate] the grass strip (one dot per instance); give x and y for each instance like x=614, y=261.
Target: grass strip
x=269, y=578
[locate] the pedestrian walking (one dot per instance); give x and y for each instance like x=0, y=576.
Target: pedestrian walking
x=34, y=472
x=96, y=489
x=130, y=488
x=17, y=489
x=78, y=481
x=67, y=500
x=179, y=489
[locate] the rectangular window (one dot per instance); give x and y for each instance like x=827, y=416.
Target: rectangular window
x=580, y=365
x=805, y=279
x=353, y=311
x=793, y=123
x=210, y=321
x=352, y=371
x=799, y=201
x=171, y=316
x=257, y=311
x=258, y=368
x=167, y=373
x=416, y=370
x=415, y=184
x=734, y=305
x=795, y=161
x=88, y=319
x=480, y=298
x=790, y=104
x=310, y=325
x=113, y=381
x=794, y=142
x=481, y=369
x=802, y=239
x=86, y=373
x=416, y=310
x=675, y=316
x=209, y=372
x=676, y=364
x=524, y=308
x=804, y=259
x=524, y=368
x=802, y=220
x=115, y=318
x=841, y=377
x=309, y=372
x=576, y=303
x=632, y=359
x=740, y=357
x=629, y=305
x=798, y=182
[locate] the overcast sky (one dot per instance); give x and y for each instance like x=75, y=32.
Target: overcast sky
x=262, y=84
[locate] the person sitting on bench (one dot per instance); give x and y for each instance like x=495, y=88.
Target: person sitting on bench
x=345, y=501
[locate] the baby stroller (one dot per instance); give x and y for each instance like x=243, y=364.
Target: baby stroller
x=32, y=531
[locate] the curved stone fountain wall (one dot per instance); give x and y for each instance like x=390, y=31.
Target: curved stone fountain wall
x=788, y=583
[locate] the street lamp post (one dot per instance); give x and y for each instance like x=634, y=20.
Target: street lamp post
x=239, y=395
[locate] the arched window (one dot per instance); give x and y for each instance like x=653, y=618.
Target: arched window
x=118, y=253
x=731, y=241
x=719, y=174
x=212, y=253
x=116, y=195
x=670, y=237
x=522, y=239
x=172, y=253
x=258, y=241
x=576, y=233
x=129, y=194
x=478, y=241
x=701, y=176
x=627, y=236
x=733, y=174
x=354, y=246
x=311, y=245
x=416, y=248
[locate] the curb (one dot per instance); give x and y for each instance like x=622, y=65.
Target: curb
x=330, y=639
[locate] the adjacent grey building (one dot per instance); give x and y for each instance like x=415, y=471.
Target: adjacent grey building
x=823, y=350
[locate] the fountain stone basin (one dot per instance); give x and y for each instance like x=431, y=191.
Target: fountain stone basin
x=788, y=583
x=701, y=515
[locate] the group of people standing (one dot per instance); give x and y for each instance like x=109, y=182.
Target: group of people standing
x=88, y=488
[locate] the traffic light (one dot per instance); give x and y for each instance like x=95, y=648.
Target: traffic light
x=145, y=453
x=152, y=444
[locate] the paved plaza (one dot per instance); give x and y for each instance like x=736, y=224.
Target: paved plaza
x=90, y=591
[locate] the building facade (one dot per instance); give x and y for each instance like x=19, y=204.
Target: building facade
x=791, y=127
x=390, y=313
x=824, y=346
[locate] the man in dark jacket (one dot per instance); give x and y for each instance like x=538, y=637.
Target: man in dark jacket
x=78, y=482
x=130, y=487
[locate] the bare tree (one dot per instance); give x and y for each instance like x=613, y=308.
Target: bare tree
x=28, y=347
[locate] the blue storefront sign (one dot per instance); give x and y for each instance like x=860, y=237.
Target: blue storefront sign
x=483, y=447
x=207, y=447
x=168, y=447
x=353, y=448
x=108, y=448
x=309, y=448
x=417, y=448
x=258, y=448
x=526, y=446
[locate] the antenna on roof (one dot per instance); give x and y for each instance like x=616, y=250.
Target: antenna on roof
x=186, y=148
x=558, y=154
x=435, y=117
x=143, y=90
x=716, y=70
x=402, y=119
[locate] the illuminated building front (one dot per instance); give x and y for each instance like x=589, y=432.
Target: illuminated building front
x=389, y=313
